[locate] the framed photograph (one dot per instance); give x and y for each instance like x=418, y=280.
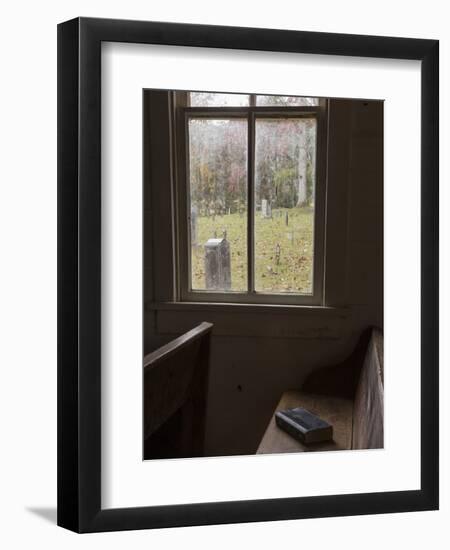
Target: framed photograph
x=247, y=275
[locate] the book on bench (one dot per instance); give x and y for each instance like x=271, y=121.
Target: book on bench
x=303, y=425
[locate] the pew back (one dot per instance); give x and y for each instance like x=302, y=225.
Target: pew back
x=174, y=394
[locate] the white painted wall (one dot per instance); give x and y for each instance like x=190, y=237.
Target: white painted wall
x=28, y=276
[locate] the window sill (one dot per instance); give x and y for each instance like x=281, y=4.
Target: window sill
x=285, y=309
x=252, y=320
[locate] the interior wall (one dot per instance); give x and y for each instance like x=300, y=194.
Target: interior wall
x=258, y=353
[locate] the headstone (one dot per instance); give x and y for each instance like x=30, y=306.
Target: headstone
x=277, y=254
x=217, y=264
x=263, y=207
x=193, y=225
x=266, y=209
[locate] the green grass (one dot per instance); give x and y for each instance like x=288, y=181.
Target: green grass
x=292, y=272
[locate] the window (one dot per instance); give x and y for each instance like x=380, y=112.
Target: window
x=250, y=182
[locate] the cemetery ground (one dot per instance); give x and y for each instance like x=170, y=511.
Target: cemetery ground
x=283, y=252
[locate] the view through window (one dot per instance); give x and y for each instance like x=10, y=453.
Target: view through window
x=252, y=181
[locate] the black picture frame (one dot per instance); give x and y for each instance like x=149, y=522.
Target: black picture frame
x=79, y=274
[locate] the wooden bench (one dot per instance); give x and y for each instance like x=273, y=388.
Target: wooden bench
x=349, y=396
x=175, y=388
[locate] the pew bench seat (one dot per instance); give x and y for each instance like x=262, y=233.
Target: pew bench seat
x=349, y=396
x=335, y=410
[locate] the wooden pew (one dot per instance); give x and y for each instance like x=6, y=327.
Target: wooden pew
x=349, y=396
x=174, y=395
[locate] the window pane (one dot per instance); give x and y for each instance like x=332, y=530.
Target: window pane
x=286, y=101
x=208, y=99
x=218, y=204
x=285, y=152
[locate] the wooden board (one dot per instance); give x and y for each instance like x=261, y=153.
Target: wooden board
x=368, y=429
x=174, y=392
x=337, y=411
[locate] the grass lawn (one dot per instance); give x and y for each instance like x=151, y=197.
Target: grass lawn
x=283, y=253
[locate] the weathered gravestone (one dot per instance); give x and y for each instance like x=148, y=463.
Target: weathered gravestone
x=266, y=209
x=217, y=264
x=277, y=254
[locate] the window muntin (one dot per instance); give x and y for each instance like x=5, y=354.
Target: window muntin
x=304, y=236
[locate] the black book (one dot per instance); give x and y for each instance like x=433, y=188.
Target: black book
x=303, y=425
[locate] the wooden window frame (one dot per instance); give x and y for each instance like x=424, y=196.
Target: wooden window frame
x=182, y=113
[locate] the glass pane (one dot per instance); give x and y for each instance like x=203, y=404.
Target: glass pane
x=218, y=204
x=285, y=151
x=208, y=99
x=286, y=101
